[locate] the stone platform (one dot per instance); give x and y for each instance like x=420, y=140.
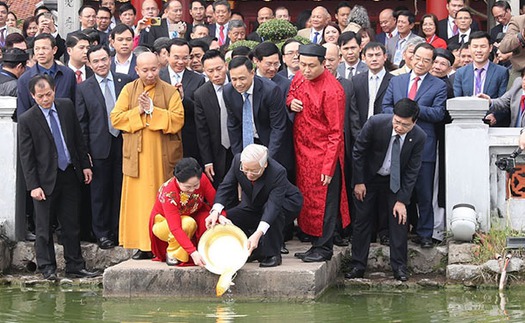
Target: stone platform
x=293, y=280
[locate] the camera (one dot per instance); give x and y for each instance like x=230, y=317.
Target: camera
x=508, y=164
x=152, y=22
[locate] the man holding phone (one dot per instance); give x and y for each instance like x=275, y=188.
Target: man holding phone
x=172, y=26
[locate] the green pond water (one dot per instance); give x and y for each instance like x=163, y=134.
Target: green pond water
x=336, y=305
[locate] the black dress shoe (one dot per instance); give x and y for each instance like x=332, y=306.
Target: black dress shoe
x=301, y=255
x=284, y=250
x=355, y=273
x=384, y=240
x=315, y=257
x=426, y=243
x=30, y=236
x=105, y=243
x=303, y=237
x=401, y=275
x=140, y=255
x=272, y=261
x=50, y=275
x=82, y=273
x=339, y=241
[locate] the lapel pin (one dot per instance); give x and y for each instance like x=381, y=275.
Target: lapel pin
x=119, y=80
x=410, y=139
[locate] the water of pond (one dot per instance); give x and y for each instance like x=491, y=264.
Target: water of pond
x=337, y=305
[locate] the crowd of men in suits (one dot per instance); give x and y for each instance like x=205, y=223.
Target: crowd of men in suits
x=390, y=95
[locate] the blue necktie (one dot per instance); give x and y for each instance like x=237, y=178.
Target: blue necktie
x=316, y=34
x=247, y=123
x=110, y=104
x=55, y=130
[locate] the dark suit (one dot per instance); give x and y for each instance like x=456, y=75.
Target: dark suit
x=494, y=31
x=65, y=86
x=131, y=72
x=271, y=198
x=213, y=27
x=360, y=68
x=381, y=38
x=361, y=82
x=191, y=81
x=208, y=130
x=106, y=154
x=496, y=80
x=254, y=36
x=269, y=115
x=443, y=29
x=368, y=155
x=431, y=96
x=39, y=159
x=355, y=118
x=155, y=32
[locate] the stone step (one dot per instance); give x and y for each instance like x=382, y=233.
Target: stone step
x=293, y=280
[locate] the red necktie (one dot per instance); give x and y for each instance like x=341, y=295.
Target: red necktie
x=522, y=108
x=78, y=73
x=389, y=35
x=221, y=35
x=455, y=29
x=413, y=89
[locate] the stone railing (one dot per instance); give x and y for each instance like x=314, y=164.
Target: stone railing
x=7, y=167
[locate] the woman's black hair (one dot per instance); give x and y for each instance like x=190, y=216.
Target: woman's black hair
x=187, y=168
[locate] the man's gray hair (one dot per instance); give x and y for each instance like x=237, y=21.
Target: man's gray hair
x=254, y=152
x=359, y=15
x=236, y=24
x=414, y=41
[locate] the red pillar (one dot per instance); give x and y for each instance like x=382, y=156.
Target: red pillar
x=438, y=7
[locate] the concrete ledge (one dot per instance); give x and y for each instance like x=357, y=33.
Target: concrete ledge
x=293, y=280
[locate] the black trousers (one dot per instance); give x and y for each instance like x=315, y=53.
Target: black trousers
x=106, y=188
x=61, y=205
x=378, y=189
x=325, y=243
x=248, y=219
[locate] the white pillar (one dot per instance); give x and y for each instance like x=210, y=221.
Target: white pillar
x=514, y=7
x=7, y=167
x=467, y=158
x=68, y=16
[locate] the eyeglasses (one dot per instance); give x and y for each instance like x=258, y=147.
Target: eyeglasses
x=246, y=171
x=276, y=64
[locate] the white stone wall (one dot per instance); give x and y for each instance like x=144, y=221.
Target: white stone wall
x=7, y=167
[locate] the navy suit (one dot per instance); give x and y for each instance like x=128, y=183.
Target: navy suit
x=496, y=80
x=271, y=198
x=368, y=155
x=65, y=86
x=213, y=27
x=381, y=38
x=269, y=115
x=131, y=72
x=106, y=154
x=191, y=81
x=431, y=96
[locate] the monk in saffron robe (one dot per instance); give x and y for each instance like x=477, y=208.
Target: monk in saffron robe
x=177, y=220
x=318, y=101
x=150, y=115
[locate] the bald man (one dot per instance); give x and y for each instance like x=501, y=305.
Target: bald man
x=319, y=19
x=388, y=24
x=150, y=114
x=263, y=15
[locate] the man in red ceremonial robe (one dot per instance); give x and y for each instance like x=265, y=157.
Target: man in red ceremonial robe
x=318, y=101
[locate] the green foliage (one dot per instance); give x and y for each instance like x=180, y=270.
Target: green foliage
x=248, y=43
x=277, y=30
x=300, y=39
